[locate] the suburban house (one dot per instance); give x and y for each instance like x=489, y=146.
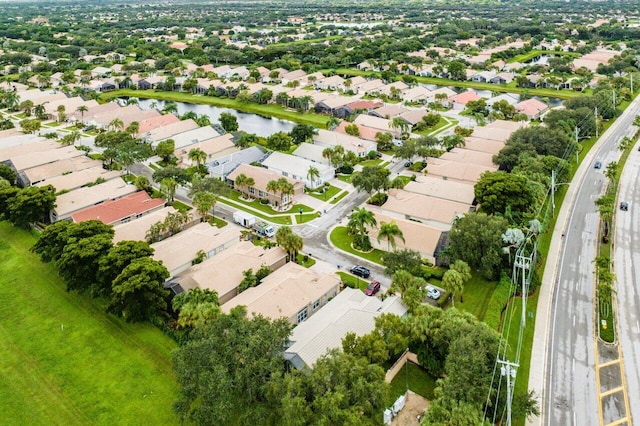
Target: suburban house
x=376, y=123
x=436, y=212
x=92, y=113
x=510, y=99
x=469, y=156
x=366, y=133
x=190, y=137
x=127, y=114
x=451, y=190
x=170, y=131
x=213, y=148
x=328, y=139
x=499, y=130
x=428, y=240
x=297, y=168
x=460, y=100
x=370, y=87
x=413, y=117
x=351, y=311
x=312, y=152
x=20, y=144
x=78, y=179
x=483, y=145
x=224, y=272
x=454, y=170
x=122, y=210
x=178, y=252
x=136, y=230
x=292, y=291
x=356, y=107
x=34, y=159
x=333, y=105
x=48, y=171
x=150, y=82
x=81, y=198
x=532, y=108
x=149, y=124
x=502, y=78
x=389, y=111
x=334, y=82
x=262, y=177
x=483, y=76
x=220, y=167
x=416, y=94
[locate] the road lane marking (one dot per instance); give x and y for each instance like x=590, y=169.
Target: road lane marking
x=574, y=321
x=573, y=364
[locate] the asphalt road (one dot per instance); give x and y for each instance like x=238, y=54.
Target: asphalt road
x=571, y=394
x=627, y=270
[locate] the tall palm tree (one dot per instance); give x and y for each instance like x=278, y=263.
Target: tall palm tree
x=389, y=231
x=289, y=241
x=133, y=128
x=360, y=220
x=168, y=186
x=82, y=109
x=285, y=188
x=272, y=187
x=204, y=202
x=61, y=113
x=243, y=181
x=464, y=270
x=197, y=155
x=399, y=124
x=313, y=174
x=452, y=280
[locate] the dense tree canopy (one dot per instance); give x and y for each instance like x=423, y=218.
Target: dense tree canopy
x=499, y=192
x=534, y=140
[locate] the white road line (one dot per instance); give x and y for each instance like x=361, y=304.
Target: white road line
x=574, y=321
x=638, y=326
x=575, y=422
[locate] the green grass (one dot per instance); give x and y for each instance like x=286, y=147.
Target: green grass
x=342, y=240
x=268, y=110
x=266, y=208
x=415, y=378
x=63, y=360
x=344, y=178
x=477, y=293
x=327, y=195
x=180, y=206
x=374, y=162
x=339, y=197
x=511, y=88
x=524, y=57
x=353, y=281
x=306, y=263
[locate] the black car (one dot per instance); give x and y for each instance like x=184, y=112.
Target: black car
x=360, y=271
x=624, y=206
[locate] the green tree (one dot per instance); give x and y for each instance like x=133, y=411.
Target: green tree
x=289, y=241
x=412, y=289
x=384, y=141
x=138, y=292
x=228, y=121
x=30, y=205
x=79, y=263
x=117, y=259
x=180, y=175
x=313, y=174
x=361, y=219
x=352, y=129
x=204, y=202
x=82, y=109
x=476, y=238
x=390, y=231
x=279, y=141
x=248, y=280
x=534, y=140
x=168, y=187
x=198, y=156
x=8, y=173
x=243, y=183
x=30, y=126
x=196, y=307
x=225, y=369
x=302, y=133
x=165, y=150
x=52, y=241
x=498, y=191
x=371, y=179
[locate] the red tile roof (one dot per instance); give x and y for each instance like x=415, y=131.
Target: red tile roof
x=464, y=97
x=365, y=105
x=115, y=211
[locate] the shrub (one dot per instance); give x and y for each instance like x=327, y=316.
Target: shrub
x=498, y=302
x=378, y=199
x=264, y=201
x=417, y=166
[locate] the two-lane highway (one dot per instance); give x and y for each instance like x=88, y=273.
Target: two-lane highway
x=564, y=353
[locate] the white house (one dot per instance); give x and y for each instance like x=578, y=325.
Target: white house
x=297, y=168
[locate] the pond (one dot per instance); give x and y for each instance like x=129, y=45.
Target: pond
x=250, y=123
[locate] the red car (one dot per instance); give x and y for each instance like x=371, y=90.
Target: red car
x=372, y=288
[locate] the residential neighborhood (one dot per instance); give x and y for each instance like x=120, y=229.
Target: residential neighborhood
x=256, y=198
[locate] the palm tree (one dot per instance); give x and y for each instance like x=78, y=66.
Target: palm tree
x=168, y=187
x=71, y=138
x=465, y=272
x=611, y=172
x=61, y=113
x=170, y=107
x=272, y=187
x=133, y=128
x=412, y=289
x=313, y=174
x=116, y=123
x=39, y=112
x=242, y=181
x=285, y=188
x=360, y=220
x=197, y=155
x=452, y=280
x=400, y=124
x=26, y=106
x=82, y=109
x=204, y=202
x=289, y=241
x=389, y=231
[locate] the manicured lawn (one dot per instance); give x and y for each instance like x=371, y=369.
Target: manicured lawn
x=180, y=206
x=63, y=360
x=327, y=195
x=306, y=263
x=477, y=293
x=340, y=197
x=269, y=110
x=341, y=239
x=352, y=281
x=266, y=208
x=524, y=57
x=374, y=162
x=345, y=178
x=415, y=378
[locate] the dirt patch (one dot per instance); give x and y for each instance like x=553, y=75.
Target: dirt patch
x=413, y=411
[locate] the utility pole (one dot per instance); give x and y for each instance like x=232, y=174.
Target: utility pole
x=508, y=369
x=596, y=115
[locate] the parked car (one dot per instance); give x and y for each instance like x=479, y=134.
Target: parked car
x=433, y=293
x=360, y=271
x=597, y=165
x=372, y=288
x=408, y=163
x=624, y=206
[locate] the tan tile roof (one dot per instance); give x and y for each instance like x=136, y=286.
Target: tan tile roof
x=432, y=186
x=437, y=211
x=78, y=199
x=136, y=230
x=469, y=156
x=34, y=159
x=455, y=170
x=80, y=178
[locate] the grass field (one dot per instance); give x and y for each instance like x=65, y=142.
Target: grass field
x=64, y=361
